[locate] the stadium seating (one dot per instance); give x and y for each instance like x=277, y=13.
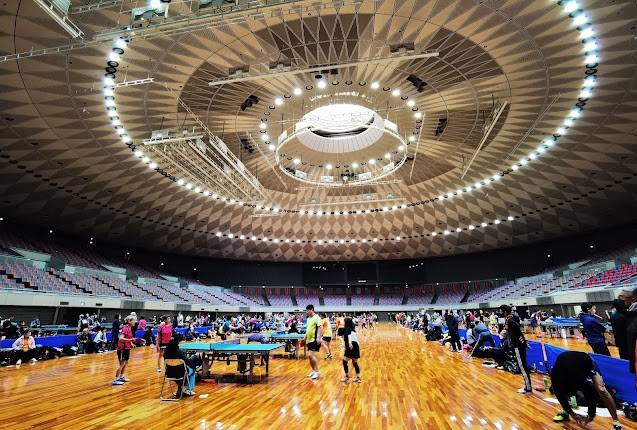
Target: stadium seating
x=280, y=300
x=304, y=300
x=361, y=300
x=340, y=300
x=611, y=277
x=393, y=299
x=421, y=294
x=36, y=279
x=18, y=276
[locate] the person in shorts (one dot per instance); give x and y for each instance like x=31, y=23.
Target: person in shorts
x=164, y=334
x=327, y=335
x=575, y=372
x=351, y=351
x=124, y=345
x=313, y=340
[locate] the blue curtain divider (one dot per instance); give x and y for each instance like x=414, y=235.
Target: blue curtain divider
x=615, y=373
x=54, y=341
x=535, y=356
x=60, y=340
x=552, y=352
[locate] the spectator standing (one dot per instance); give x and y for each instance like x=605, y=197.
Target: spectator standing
x=593, y=329
x=115, y=331
x=164, y=334
x=124, y=345
x=518, y=344
x=618, y=322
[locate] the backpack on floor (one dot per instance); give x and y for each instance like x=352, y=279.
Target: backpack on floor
x=512, y=366
x=69, y=350
x=630, y=410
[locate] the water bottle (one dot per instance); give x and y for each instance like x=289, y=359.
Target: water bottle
x=546, y=383
x=573, y=402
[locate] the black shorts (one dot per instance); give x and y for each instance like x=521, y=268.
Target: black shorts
x=353, y=353
x=163, y=345
x=327, y=338
x=123, y=354
x=313, y=346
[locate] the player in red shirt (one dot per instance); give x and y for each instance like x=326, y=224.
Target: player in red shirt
x=164, y=334
x=124, y=345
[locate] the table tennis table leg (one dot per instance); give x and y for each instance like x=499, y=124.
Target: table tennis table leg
x=206, y=365
x=266, y=358
x=251, y=366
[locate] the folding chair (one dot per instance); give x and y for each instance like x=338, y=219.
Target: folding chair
x=174, y=367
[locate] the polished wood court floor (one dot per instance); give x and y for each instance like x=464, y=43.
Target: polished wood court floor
x=408, y=383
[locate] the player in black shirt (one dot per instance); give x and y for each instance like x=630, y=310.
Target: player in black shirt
x=575, y=371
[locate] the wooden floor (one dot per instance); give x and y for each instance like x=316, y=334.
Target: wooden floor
x=407, y=384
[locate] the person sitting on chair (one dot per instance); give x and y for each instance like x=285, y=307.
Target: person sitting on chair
x=173, y=352
x=24, y=348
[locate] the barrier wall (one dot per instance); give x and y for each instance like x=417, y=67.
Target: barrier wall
x=615, y=371
x=61, y=340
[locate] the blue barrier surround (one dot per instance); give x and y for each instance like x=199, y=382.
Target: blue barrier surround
x=60, y=340
x=615, y=371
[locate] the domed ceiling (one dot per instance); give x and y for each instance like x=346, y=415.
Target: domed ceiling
x=320, y=130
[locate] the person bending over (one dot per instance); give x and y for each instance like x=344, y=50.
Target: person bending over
x=483, y=336
x=575, y=371
x=24, y=348
x=256, y=336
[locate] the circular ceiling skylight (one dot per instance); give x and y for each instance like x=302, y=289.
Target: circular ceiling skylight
x=337, y=121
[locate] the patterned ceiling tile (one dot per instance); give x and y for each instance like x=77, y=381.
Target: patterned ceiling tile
x=62, y=164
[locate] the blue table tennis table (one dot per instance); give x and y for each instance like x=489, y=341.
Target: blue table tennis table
x=54, y=329
x=242, y=353
x=289, y=337
x=562, y=327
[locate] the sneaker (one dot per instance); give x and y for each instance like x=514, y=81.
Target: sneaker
x=33, y=360
x=315, y=375
x=118, y=382
x=524, y=390
x=345, y=379
x=309, y=375
x=19, y=362
x=617, y=425
x=328, y=357
x=561, y=417
x=357, y=379
x=124, y=379
x=500, y=367
x=159, y=370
